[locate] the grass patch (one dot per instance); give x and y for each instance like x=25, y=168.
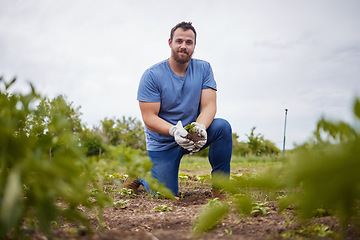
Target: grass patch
x=201, y=164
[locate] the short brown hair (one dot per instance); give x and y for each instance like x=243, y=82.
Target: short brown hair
x=184, y=26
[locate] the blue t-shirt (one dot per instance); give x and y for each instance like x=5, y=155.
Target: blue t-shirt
x=179, y=96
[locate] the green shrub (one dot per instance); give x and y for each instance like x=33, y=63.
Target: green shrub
x=240, y=148
x=324, y=173
x=40, y=165
x=321, y=174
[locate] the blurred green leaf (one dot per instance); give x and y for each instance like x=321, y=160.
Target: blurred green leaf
x=325, y=173
x=210, y=216
x=11, y=203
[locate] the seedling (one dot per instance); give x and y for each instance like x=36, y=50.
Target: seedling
x=159, y=195
x=190, y=128
x=228, y=231
x=110, y=189
x=163, y=208
x=312, y=231
x=212, y=203
x=260, y=209
x=120, y=203
x=127, y=192
x=183, y=177
x=202, y=178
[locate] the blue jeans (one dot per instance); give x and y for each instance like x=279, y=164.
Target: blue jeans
x=166, y=163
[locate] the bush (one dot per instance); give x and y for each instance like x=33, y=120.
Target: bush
x=321, y=174
x=40, y=165
x=324, y=172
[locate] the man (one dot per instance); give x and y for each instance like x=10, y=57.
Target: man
x=176, y=92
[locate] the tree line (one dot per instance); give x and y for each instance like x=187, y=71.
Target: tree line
x=128, y=131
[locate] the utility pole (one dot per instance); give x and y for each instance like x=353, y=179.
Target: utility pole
x=284, y=131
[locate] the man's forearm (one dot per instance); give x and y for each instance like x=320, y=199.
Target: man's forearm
x=207, y=116
x=157, y=124
x=208, y=107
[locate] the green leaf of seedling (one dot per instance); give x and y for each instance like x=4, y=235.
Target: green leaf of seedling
x=163, y=208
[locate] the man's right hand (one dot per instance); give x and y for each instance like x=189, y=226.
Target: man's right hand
x=179, y=134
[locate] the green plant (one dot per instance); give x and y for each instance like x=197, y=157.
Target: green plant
x=202, y=178
x=228, y=231
x=41, y=163
x=258, y=145
x=239, y=148
x=163, y=208
x=92, y=143
x=324, y=172
x=210, y=215
x=260, y=209
x=121, y=203
x=126, y=131
x=183, y=177
x=110, y=189
x=127, y=192
x=313, y=231
x=255, y=142
x=190, y=128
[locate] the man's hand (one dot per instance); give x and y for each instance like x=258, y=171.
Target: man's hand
x=179, y=133
x=200, y=128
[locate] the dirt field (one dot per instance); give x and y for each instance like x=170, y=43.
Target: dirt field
x=139, y=220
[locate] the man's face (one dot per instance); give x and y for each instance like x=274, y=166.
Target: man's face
x=182, y=45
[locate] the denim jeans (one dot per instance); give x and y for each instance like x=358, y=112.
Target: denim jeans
x=166, y=163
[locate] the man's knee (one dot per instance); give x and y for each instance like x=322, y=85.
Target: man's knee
x=222, y=125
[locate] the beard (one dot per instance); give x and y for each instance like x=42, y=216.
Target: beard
x=181, y=58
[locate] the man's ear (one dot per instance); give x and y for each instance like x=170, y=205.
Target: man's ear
x=169, y=41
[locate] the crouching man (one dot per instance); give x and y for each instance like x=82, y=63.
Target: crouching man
x=173, y=93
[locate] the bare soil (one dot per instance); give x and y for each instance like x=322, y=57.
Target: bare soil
x=139, y=220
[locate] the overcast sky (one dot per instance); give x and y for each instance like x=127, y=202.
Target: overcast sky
x=267, y=56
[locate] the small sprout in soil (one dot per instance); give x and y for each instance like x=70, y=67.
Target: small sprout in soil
x=212, y=202
x=163, y=208
x=92, y=191
x=202, y=178
x=228, y=231
x=113, y=178
x=121, y=203
x=183, y=176
x=260, y=209
x=55, y=224
x=110, y=189
x=159, y=195
x=127, y=192
x=313, y=231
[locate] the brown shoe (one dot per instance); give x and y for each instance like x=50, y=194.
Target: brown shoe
x=132, y=184
x=216, y=193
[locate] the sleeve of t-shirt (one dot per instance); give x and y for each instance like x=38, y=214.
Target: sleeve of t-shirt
x=148, y=90
x=209, y=80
